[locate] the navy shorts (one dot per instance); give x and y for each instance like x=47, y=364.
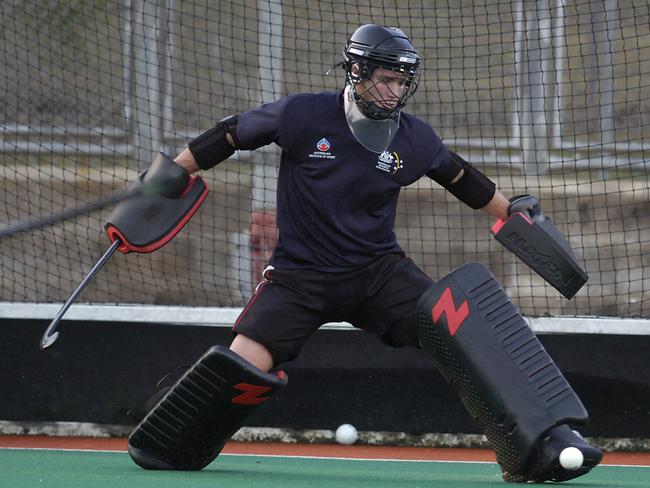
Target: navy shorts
x=290, y=305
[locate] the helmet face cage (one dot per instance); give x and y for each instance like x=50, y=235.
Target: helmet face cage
x=376, y=108
x=374, y=47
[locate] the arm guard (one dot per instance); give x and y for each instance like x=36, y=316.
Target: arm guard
x=212, y=146
x=473, y=188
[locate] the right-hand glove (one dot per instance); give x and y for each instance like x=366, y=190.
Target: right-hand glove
x=526, y=204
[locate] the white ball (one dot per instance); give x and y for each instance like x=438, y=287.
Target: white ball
x=346, y=434
x=571, y=458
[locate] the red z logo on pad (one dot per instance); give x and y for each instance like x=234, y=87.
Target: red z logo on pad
x=455, y=316
x=251, y=395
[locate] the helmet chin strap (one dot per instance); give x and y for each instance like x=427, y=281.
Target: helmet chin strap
x=372, y=133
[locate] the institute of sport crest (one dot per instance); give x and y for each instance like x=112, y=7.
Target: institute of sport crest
x=323, y=150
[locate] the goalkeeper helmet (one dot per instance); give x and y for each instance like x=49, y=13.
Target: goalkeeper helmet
x=373, y=46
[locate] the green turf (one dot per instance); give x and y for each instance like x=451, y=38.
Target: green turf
x=70, y=469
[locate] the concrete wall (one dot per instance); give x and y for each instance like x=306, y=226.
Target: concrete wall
x=96, y=372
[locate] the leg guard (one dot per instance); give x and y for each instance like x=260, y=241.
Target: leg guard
x=504, y=376
x=190, y=424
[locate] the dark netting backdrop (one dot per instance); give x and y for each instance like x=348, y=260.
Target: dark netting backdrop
x=547, y=97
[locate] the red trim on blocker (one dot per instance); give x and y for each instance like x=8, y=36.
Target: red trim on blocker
x=498, y=225
x=455, y=316
x=114, y=234
x=526, y=217
x=126, y=247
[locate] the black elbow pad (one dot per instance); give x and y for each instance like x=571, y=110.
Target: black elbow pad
x=212, y=146
x=473, y=188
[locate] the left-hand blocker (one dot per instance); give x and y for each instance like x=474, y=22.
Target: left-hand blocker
x=487, y=352
x=148, y=220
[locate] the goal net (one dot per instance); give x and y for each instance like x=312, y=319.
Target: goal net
x=547, y=97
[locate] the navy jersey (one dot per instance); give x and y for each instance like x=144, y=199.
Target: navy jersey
x=336, y=200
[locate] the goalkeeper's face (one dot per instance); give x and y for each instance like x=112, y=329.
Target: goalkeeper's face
x=385, y=88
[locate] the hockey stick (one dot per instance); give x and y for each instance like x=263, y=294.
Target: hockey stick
x=51, y=334
x=139, y=226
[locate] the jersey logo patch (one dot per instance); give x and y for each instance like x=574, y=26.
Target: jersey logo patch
x=323, y=150
x=390, y=162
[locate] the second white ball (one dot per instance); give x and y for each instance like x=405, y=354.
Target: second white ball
x=346, y=434
x=571, y=458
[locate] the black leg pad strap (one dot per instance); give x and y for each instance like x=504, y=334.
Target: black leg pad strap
x=485, y=349
x=188, y=427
